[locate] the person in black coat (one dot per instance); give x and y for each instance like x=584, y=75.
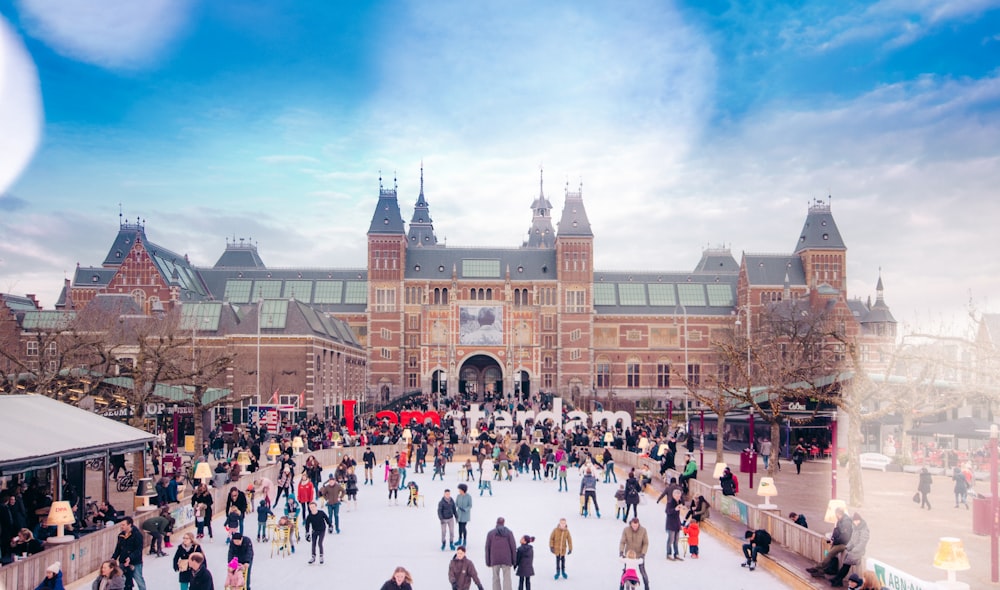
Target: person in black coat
x=242, y=549
x=201, y=578
x=758, y=542
x=128, y=552
x=182, y=564
x=317, y=522
x=524, y=567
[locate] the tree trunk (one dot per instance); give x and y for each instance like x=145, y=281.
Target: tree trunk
x=772, y=466
x=854, y=443
x=904, y=438
x=719, y=429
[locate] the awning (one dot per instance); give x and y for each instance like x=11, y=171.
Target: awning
x=38, y=431
x=959, y=428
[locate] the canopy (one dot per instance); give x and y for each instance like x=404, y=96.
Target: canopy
x=959, y=428
x=37, y=432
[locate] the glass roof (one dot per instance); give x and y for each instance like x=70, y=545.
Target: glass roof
x=692, y=294
x=720, y=295
x=273, y=313
x=266, y=289
x=328, y=291
x=357, y=292
x=604, y=294
x=481, y=269
x=632, y=293
x=300, y=290
x=660, y=294
x=201, y=316
x=237, y=291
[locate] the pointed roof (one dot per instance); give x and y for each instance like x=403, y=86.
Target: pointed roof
x=421, y=225
x=242, y=254
x=574, y=222
x=541, y=234
x=717, y=260
x=128, y=234
x=820, y=231
x=879, y=311
x=387, y=219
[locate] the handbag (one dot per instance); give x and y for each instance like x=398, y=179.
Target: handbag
x=182, y=565
x=916, y=496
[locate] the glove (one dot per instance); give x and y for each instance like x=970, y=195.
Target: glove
x=570, y=552
x=308, y=535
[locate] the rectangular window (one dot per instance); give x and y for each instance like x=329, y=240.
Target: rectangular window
x=237, y=292
x=662, y=295
x=574, y=335
x=481, y=269
x=603, y=374
x=386, y=353
x=414, y=361
x=266, y=290
x=548, y=380
x=575, y=354
x=724, y=374
x=413, y=321
x=52, y=350
x=662, y=375
x=413, y=380
x=720, y=296
x=548, y=321
x=694, y=374
x=547, y=362
x=548, y=342
x=604, y=294
x=691, y=294
x=576, y=301
x=633, y=335
x=357, y=292
x=386, y=334
x=31, y=348
x=328, y=291
x=632, y=374
x=385, y=300
x=298, y=290
x=632, y=294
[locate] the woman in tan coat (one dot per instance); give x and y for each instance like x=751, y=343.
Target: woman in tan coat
x=561, y=545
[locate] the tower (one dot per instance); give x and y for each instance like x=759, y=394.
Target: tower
x=421, y=232
x=541, y=234
x=822, y=250
x=575, y=258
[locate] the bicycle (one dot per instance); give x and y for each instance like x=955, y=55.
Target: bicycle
x=96, y=464
x=126, y=481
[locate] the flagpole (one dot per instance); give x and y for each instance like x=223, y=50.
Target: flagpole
x=258, y=346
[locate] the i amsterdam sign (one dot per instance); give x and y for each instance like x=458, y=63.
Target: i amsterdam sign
x=501, y=419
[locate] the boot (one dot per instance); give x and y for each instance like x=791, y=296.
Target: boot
x=442, y=545
x=312, y=560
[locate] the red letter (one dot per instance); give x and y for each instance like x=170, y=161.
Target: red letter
x=349, y=414
x=387, y=415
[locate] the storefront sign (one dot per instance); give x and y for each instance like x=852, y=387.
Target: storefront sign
x=501, y=419
x=896, y=579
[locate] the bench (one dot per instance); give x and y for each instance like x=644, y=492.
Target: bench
x=874, y=461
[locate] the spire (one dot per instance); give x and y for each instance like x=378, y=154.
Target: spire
x=541, y=234
x=879, y=289
x=574, y=220
x=820, y=231
x=387, y=218
x=421, y=225
x=786, y=293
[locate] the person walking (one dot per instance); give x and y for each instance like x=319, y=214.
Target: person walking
x=317, y=523
x=393, y=482
x=462, y=572
x=561, y=545
x=798, y=456
x=961, y=488
x=632, y=496
x=333, y=493
x=128, y=552
x=446, y=511
x=369, y=460
x=525, y=567
x=854, y=551
x=501, y=551
x=765, y=451
x=924, y=487
x=237, y=499
x=182, y=563
x=463, y=513
x=109, y=577
x=201, y=578
x=674, y=506
x=635, y=539
x=202, y=502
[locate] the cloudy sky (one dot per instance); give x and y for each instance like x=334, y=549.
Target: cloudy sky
x=689, y=124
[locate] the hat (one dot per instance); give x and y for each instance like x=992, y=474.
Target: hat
x=234, y=564
x=55, y=568
x=330, y=476
x=856, y=579
x=237, y=536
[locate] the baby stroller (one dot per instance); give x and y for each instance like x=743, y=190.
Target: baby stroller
x=630, y=580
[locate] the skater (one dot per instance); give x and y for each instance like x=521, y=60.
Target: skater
x=635, y=540
x=202, y=502
x=234, y=579
x=501, y=551
x=609, y=466
x=128, y=552
x=485, y=477
x=758, y=542
x=187, y=547
x=201, y=578
x=317, y=524
x=446, y=512
x=561, y=470
x=632, y=495
x=620, y=502
x=463, y=513
x=588, y=490
x=961, y=488
x=369, y=460
x=692, y=530
x=462, y=572
x=393, y=482
x=413, y=494
x=525, y=564
x=400, y=580
x=332, y=492
x=561, y=545
x=438, y=467
x=351, y=488
x=630, y=568
x=674, y=506
x=263, y=512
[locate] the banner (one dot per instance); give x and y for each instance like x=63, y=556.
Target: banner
x=896, y=579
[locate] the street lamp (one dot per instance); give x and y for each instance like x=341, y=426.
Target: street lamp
x=687, y=369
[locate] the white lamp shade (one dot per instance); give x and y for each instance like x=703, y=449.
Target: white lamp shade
x=766, y=487
x=831, y=510
x=297, y=442
x=60, y=513
x=951, y=555
x=720, y=468
x=203, y=471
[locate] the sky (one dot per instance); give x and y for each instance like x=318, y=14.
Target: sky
x=688, y=125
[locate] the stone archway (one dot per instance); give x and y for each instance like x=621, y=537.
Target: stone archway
x=480, y=374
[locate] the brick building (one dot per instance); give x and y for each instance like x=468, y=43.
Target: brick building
x=536, y=317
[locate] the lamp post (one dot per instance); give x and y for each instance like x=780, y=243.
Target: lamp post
x=833, y=456
x=687, y=370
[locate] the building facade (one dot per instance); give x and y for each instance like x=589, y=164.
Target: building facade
x=535, y=317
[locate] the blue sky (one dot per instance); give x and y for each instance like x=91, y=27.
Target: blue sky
x=690, y=124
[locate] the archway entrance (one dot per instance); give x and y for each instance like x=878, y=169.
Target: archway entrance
x=480, y=375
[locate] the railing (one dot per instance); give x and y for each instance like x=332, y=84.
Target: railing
x=803, y=541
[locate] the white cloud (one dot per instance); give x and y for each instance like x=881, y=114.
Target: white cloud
x=287, y=159
x=116, y=34
x=20, y=107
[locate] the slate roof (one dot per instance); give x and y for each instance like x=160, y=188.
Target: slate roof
x=820, y=230
x=289, y=316
x=17, y=303
x=327, y=289
x=770, y=269
x=240, y=255
x=387, y=219
x=92, y=276
x=524, y=264
x=574, y=220
x=717, y=260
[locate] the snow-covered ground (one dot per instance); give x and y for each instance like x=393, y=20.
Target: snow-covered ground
x=376, y=537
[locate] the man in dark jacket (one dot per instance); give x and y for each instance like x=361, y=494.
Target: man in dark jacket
x=838, y=543
x=128, y=552
x=446, y=514
x=201, y=578
x=462, y=572
x=501, y=551
x=758, y=542
x=242, y=549
x=156, y=526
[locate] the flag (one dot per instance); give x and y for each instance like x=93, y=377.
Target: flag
x=265, y=418
x=302, y=399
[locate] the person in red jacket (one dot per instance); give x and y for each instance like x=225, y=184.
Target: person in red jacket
x=305, y=493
